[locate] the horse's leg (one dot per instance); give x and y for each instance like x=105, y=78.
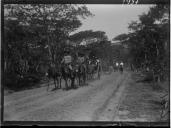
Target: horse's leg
x=66, y=83
x=54, y=81
x=72, y=82
x=60, y=79
x=48, y=84
x=98, y=73
x=85, y=75
x=81, y=79
x=84, y=78
x=78, y=79
x=89, y=75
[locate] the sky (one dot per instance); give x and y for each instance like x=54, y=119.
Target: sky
x=112, y=19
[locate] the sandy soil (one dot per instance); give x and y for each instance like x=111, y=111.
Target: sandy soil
x=115, y=97
x=97, y=101
x=141, y=103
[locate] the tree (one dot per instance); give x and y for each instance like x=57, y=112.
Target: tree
x=148, y=39
x=54, y=22
x=96, y=43
x=88, y=34
x=35, y=32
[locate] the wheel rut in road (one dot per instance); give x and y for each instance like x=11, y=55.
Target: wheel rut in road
x=107, y=110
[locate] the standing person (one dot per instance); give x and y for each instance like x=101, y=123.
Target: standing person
x=132, y=67
x=121, y=67
x=113, y=64
x=98, y=68
x=117, y=66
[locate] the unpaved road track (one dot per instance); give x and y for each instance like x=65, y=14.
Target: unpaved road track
x=96, y=102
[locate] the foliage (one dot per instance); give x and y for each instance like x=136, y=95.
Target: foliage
x=148, y=40
x=36, y=33
x=100, y=47
x=88, y=34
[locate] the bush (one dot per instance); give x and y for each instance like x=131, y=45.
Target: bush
x=15, y=82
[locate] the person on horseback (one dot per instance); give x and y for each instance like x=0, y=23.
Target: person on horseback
x=68, y=70
x=67, y=60
x=99, y=68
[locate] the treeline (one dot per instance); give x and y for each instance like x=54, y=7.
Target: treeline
x=148, y=41
x=35, y=34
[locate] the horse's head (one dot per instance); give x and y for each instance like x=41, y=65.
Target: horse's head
x=65, y=69
x=76, y=68
x=82, y=68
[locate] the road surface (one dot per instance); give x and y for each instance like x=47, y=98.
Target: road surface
x=98, y=101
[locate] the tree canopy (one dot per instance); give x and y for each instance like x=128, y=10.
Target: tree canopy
x=36, y=33
x=148, y=39
x=88, y=34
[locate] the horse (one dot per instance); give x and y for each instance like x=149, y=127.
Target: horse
x=90, y=71
x=81, y=73
x=68, y=74
x=93, y=68
x=97, y=69
x=54, y=73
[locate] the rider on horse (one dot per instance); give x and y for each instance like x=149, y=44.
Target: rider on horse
x=67, y=69
x=67, y=60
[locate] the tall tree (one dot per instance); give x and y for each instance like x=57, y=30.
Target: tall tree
x=88, y=34
x=149, y=37
x=36, y=32
x=54, y=22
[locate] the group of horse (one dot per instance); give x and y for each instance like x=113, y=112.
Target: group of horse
x=79, y=72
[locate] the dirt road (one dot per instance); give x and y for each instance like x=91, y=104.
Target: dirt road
x=98, y=101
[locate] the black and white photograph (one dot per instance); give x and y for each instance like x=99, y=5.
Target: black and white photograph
x=86, y=62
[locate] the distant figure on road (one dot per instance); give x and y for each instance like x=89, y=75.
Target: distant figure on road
x=117, y=66
x=132, y=67
x=98, y=68
x=121, y=67
x=121, y=64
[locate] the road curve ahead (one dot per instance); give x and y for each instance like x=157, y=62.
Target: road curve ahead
x=96, y=102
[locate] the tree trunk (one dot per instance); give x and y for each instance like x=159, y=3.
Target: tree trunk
x=154, y=82
x=49, y=49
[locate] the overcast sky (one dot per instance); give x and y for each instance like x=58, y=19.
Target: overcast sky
x=112, y=19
